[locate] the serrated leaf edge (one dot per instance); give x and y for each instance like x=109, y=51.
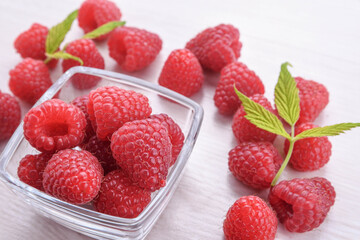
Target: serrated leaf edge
x=287, y=96
x=100, y=30
x=64, y=55
x=331, y=130
x=65, y=25
x=253, y=108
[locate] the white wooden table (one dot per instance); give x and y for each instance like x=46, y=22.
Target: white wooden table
x=320, y=39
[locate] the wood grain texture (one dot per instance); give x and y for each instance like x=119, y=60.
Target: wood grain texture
x=319, y=38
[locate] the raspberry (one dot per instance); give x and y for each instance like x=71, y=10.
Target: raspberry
x=313, y=99
x=31, y=43
x=302, y=204
x=82, y=102
x=142, y=148
x=102, y=151
x=182, y=73
x=73, y=176
x=132, y=48
x=10, y=115
x=255, y=163
x=120, y=197
x=216, y=47
x=310, y=153
x=250, y=218
x=29, y=80
x=94, y=13
x=110, y=107
x=31, y=169
x=245, y=131
x=87, y=51
x=245, y=80
x=54, y=125
x=175, y=134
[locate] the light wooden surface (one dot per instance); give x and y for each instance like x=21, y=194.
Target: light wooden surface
x=320, y=39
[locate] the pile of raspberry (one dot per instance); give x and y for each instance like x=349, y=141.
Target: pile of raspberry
x=106, y=148
x=301, y=204
x=132, y=48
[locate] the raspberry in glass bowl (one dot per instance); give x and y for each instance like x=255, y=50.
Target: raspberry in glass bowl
x=83, y=218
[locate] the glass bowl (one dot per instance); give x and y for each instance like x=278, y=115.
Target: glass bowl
x=84, y=219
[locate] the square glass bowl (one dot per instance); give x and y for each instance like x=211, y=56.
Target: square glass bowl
x=187, y=113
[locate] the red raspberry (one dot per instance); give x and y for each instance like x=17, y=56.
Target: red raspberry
x=245, y=131
x=82, y=102
x=245, y=80
x=302, y=204
x=216, y=47
x=73, y=176
x=310, y=153
x=132, y=48
x=142, y=148
x=102, y=151
x=54, y=125
x=175, y=134
x=255, y=163
x=313, y=99
x=10, y=115
x=94, y=13
x=110, y=107
x=29, y=80
x=120, y=197
x=31, y=43
x=87, y=51
x=250, y=218
x=182, y=73
x=31, y=169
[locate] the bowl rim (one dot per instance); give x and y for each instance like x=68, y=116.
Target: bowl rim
x=79, y=211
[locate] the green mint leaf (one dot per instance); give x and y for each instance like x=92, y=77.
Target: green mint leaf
x=331, y=130
x=261, y=117
x=64, y=55
x=57, y=33
x=104, y=29
x=287, y=96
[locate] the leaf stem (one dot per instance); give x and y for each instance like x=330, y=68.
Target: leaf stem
x=292, y=141
x=47, y=60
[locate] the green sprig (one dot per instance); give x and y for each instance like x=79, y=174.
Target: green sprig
x=288, y=105
x=104, y=29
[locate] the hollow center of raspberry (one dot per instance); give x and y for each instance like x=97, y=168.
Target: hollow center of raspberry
x=121, y=52
x=56, y=129
x=288, y=209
